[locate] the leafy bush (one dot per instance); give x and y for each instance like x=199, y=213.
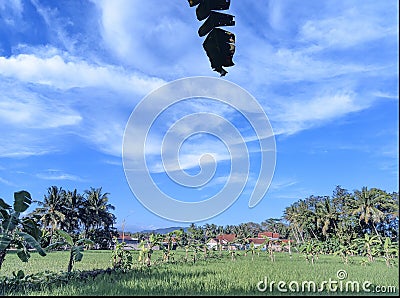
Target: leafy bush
x=15, y=232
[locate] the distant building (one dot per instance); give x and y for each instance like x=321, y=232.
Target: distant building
x=230, y=241
x=223, y=241
x=270, y=235
x=130, y=243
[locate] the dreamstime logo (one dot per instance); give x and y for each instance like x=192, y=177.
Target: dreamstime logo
x=149, y=111
x=331, y=285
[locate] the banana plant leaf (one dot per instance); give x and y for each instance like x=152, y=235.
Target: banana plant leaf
x=55, y=245
x=22, y=200
x=77, y=253
x=32, y=242
x=85, y=241
x=66, y=236
x=23, y=255
x=4, y=205
x=30, y=227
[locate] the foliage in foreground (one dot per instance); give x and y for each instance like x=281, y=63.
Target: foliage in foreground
x=21, y=233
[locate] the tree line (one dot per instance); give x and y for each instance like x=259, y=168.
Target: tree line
x=88, y=215
x=342, y=217
x=336, y=220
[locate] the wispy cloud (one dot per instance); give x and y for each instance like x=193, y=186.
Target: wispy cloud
x=70, y=72
x=352, y=27
x=24, y=108
x=11, y=10
x=53, y=174
x=161, y=37
x=294, y=116
x=7, y=182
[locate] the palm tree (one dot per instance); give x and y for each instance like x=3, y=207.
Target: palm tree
x=369, y=206
x=97, y=209
x=291, y=216
x=74, y=211
x=98, y=220
x=327, y=216
x=307, y=210
x=51, y=212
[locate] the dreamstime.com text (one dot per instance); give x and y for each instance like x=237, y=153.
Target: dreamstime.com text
x=331, y=285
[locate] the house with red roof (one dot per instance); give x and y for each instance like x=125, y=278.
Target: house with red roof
x=223, y=241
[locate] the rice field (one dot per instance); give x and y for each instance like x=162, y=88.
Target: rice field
x=216, y=276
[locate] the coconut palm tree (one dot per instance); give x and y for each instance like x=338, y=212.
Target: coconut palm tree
x=52, y=209
x=73, y=210
x=327, y=216
x=289, y=214
x=368, y=205
x=97, y=210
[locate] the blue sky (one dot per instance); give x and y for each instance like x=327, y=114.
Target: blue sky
x=72, y=72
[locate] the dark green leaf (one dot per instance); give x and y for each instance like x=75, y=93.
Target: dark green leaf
x=30, y=227
x=4, y=214
x=4, y=205
x=20, y=274
x=23, y=255
x=85, y=240
x=22, y=200
x=77, y=253
x=32, y=242
x=9, y=224
x=55, y=245
x=66, y=236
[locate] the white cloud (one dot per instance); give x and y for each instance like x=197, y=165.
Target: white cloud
x=60, y=73
x=24, y=109
x=151, y=37
x=53, y=174
x=11, y=10
x=20, y=147
x=345, y=30
x=294, y=116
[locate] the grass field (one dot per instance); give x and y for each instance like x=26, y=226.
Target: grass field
x=213, y=276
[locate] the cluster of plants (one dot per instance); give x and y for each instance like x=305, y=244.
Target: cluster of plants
x=370, y=247
x=88, y=215
x=19, y=233
x=20, y=282
x=345, y=214
x=30, y=232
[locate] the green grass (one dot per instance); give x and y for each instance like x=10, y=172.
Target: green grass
x=205, y=277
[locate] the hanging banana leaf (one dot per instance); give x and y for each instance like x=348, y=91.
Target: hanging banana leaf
x=22, y=200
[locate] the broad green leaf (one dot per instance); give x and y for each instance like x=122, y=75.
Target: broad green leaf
x=85, y=240
x=20, y=274
x=4, y=214
x=22, y=200
x=30, y=227
x=66, y=236
x=4, y=205
x=77, y=253
x=55, y=245
x=32, y=242
x=23, y=255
